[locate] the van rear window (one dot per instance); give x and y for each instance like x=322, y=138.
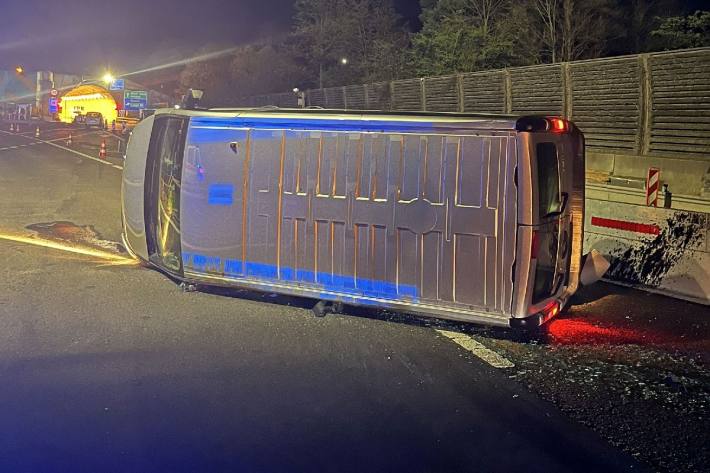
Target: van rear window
x=548, y=179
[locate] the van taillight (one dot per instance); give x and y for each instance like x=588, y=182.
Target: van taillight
x=534, y=245
x=541, y=124
x=550, y=310
x=558, y=125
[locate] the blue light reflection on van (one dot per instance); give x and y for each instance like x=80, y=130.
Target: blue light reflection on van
x=326, y=282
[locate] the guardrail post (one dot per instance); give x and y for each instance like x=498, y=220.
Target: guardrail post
x=645, y=106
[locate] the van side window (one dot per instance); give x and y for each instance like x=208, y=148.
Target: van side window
x=548, y=179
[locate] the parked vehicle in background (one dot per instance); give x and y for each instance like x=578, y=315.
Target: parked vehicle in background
x=94, y=119
x=79, y=119
x=462, y=216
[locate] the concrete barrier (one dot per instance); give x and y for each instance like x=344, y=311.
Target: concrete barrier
x=656, y=249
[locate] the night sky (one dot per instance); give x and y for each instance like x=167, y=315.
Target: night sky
x=83, y=36
x=90, y=36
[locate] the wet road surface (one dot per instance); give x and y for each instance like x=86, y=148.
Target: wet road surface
x=109, y=366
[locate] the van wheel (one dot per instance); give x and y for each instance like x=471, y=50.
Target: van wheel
x=188, y=287
x=323, y=308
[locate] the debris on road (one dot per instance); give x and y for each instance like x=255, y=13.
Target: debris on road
x=636, y=373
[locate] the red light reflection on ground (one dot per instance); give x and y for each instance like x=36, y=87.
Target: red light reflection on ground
x=575, y=331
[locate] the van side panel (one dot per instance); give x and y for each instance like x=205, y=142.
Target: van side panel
x=424, y=221
x=132, y=188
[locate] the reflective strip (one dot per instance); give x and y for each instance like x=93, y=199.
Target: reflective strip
x=650, y=229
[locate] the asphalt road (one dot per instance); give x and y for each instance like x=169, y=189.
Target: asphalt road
x=111, y=367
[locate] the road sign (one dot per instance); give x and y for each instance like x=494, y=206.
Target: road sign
x=53, y=105
x=652, y=184
x=135, y=99
x=53, y=92
x=116, y=84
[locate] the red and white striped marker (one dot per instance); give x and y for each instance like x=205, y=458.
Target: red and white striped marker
x=102, y=150
x=652, y=184
x=69, y=140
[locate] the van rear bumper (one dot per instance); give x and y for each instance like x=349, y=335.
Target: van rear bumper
x=551, y=308
x=532, y=321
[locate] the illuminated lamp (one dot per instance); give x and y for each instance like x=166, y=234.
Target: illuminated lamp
x=558, y=125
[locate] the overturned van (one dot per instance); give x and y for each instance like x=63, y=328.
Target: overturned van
x=466, y=217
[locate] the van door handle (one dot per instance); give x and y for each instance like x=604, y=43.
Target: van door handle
x=565, y=198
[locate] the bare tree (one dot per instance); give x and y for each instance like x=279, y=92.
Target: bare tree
x=585, y=28
x=487, y=11
x=549, y=11
x=574, y=29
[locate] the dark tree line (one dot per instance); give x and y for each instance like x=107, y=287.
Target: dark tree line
x=341, y=42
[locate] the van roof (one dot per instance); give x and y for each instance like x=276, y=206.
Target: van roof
x=336, y=111
x=447, y=119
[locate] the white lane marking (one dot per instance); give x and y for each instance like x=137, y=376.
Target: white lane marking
x=73, y=135
x=83, y=155
x=478, y=349
x=19, y=146
x=98, y=160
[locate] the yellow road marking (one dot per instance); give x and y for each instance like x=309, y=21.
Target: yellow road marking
x=478, y=349
x=111, y=258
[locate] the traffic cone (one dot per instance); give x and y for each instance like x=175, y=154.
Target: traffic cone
x=102, y=151
x=12, y=127
x=69, y=140
x=37, y=132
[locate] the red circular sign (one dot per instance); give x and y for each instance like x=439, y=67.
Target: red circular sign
x=53, y=92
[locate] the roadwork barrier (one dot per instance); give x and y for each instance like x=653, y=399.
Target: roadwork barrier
x=656, y=249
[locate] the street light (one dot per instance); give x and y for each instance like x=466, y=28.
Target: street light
x=108, y=78
x=19, y=69
x=343, y=61
x=300, y=97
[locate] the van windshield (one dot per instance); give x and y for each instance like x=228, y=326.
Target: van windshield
x=548, y=179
